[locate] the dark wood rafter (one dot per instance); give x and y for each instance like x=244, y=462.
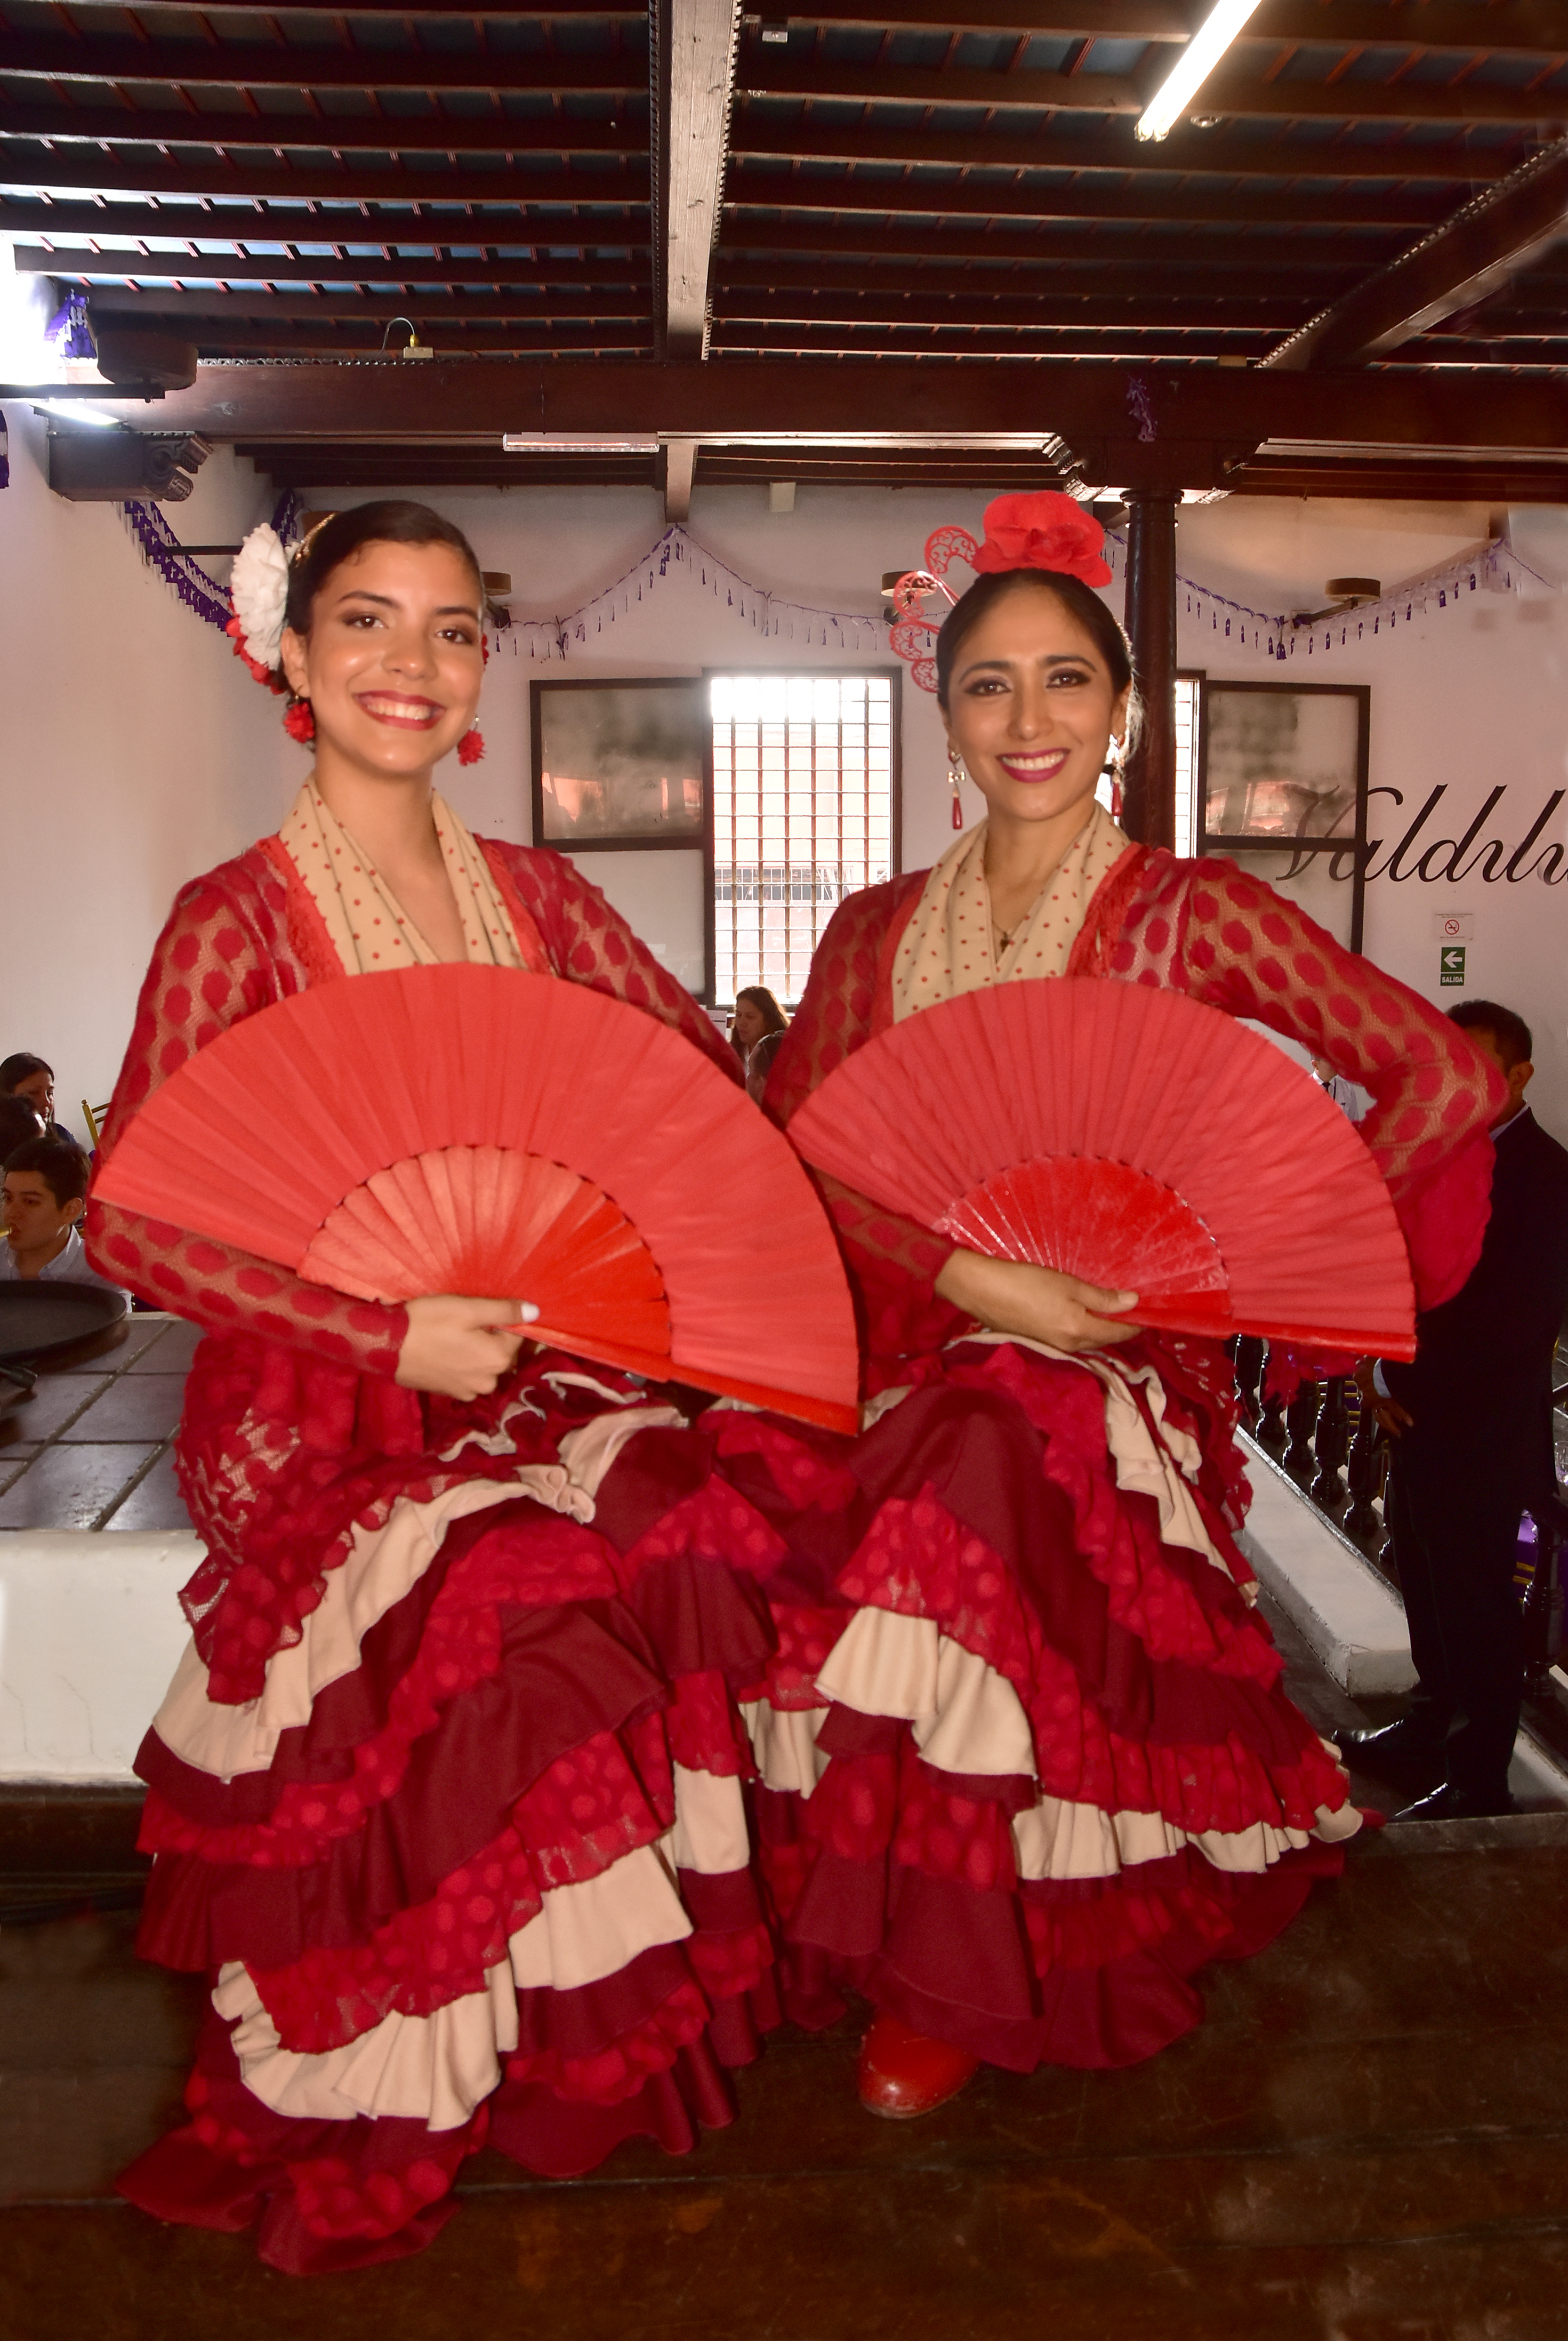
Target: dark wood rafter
x=434, y=132
x=289, y=65
x=857, y=240
x=1067, y=197
x=354, y=268
x=511, y=223
x=1477, y=253
x=1512, y=27
x=309, y=179
x=766, y=401
x=770, y=137
x=1228, y=91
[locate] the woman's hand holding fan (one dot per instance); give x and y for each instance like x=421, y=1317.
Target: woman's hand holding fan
x=457, y=1348
x=1041, y=1304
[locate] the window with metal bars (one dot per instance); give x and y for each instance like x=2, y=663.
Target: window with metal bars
x=804, y=791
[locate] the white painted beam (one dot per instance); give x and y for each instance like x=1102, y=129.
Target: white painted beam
x=680, y=464
x=699, y=85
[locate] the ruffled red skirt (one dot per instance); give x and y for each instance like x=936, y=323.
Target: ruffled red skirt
x=1027, y=1764
x=517, y=1737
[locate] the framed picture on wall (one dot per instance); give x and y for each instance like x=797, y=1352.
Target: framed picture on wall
x=1281, y=780
x=623, y=783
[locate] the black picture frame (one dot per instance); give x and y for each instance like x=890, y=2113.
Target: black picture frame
x=634, y=831
x=1299, y=860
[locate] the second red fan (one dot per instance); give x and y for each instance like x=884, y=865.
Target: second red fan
x=1132, y=1138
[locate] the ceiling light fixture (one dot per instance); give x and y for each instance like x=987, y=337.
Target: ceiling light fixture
x=1194, y=66
x=552, y=443
x=71, y=413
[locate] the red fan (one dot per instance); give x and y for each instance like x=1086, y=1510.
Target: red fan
x=1135, y=1139
x=473, y=1129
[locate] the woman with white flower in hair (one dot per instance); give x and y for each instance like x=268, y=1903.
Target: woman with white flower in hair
x=445, y=1795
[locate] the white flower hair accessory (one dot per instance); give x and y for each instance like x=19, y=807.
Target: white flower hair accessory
x=259, y=593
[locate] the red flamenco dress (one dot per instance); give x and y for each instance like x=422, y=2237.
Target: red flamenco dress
x=446, y=1796
x=1026, y=1763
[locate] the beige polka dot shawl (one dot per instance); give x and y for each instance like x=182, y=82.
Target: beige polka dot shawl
x=366, y=924
x=948, y=946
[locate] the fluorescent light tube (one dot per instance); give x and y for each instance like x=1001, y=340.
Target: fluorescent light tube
x=1194, y=66
x=69, y=411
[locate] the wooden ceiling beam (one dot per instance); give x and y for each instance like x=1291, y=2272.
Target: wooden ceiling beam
x=1192, y=308
x=551, y=11
x=433, y=311
x=330, y=338
x=1183, y=425
x=401, y=134
x=763, y=73
x=355, y=268
x=230, y=222
x=281, y=64
x=90, y=170
x=847, y=243
x=1209, y=152
x=981, y=343
x=969, y=198
x=1510, y=27
x=1217, y=278
x=697, y=43
x=1476, y=254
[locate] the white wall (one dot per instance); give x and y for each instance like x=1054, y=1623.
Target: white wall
x=139, y=751
x=1466, y=699
x=136, y=752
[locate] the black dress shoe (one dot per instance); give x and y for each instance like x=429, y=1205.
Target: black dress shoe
x=1454, y=1803
x=1406, y=1747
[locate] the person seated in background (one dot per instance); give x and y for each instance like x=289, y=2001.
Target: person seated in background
x=44, y=1193
x=26, y=1076
x=20, y=1120
x=1469, y=1431
x=757, y=1032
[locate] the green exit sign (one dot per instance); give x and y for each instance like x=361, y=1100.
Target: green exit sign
x=1451, y=963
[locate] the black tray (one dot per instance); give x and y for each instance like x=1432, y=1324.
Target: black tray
x=39, y=1316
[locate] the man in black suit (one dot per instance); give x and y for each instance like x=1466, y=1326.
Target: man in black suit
x=1471, y=1428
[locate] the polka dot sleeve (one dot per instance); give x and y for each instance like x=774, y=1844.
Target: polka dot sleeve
x=590, y=942
x=210, y=969
x=1234, y=943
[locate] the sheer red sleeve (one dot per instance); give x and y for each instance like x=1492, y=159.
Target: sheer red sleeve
x=210, y=969
x=893, y=1262
x=1243, y=948
x=590, y=942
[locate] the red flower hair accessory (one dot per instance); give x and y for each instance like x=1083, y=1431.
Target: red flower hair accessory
x=1042, y=530
x=1046, y=531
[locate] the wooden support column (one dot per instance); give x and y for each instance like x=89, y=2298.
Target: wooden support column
x=1148, y=788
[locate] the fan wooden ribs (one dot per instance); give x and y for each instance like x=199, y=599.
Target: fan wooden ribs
x=1136, y=1139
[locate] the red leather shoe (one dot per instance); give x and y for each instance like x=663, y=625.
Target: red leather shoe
x=903, y=2075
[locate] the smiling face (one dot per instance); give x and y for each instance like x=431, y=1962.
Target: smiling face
x=1032, y=706
x=393, y=660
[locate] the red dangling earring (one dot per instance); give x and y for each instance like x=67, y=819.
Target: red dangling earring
x=471, y=747
x=955, y=767
x=300, y=722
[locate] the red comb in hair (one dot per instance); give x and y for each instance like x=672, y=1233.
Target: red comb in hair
x=1042, y=530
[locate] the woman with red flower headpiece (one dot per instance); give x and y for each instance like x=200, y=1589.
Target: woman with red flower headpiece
x=1026, y=1762
x=445, y=1795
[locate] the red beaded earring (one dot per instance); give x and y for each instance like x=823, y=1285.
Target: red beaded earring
x=471, y=747
x=955, y=772
x=300, y=722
